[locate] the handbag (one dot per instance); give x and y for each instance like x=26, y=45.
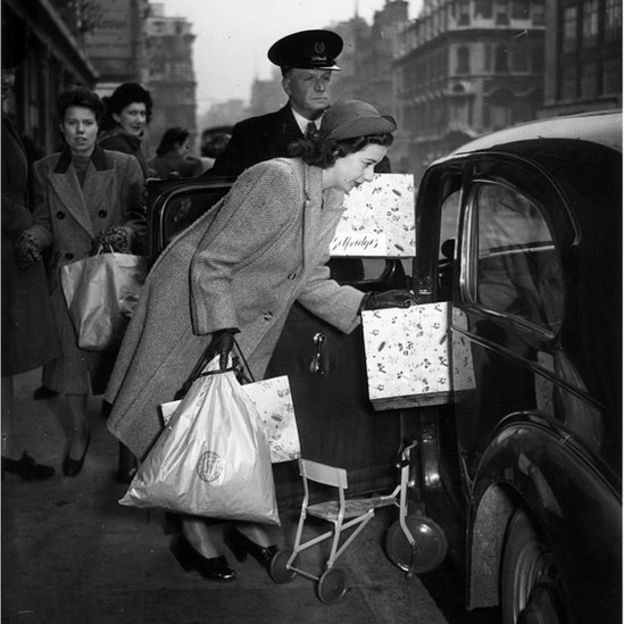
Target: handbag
x=101, y=293
x=212, y=459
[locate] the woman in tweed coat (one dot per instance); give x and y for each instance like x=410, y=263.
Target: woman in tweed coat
x=84, y=196
x=239, y=269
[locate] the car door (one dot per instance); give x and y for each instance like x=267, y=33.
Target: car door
x=326, y=368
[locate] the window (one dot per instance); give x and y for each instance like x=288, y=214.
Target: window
x=589, y=80
x=612, y=76
x=463, y=60
x=520, y=9
x=590, y=23
x=501, y=61
x=520, y=56
x=501, y=12
x=518, y=271
x=537, y=14
x=613, y=20
x=569, y=29
x=568, y=83
x=483, y=9
x=463, y=19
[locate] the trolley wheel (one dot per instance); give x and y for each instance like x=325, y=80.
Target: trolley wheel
x=277, y=568
x=332, y=585
x=431, y=545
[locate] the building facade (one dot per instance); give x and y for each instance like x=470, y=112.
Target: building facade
x=465, y=68
x=169, y=76
x=55, y=60
x=583, y=56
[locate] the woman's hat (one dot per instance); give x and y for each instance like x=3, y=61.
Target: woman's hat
x=347, y=119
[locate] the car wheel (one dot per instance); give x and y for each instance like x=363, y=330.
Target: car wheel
x=531, y=590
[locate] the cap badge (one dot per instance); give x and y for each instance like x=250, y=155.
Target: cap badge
x=319, y=47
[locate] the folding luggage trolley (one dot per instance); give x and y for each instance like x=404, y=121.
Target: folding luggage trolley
x=414, y=543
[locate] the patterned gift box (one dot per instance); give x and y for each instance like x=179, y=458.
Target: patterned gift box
x=409, y=357
x=379, y=220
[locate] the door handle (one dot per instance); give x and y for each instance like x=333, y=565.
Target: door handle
x=315, y=365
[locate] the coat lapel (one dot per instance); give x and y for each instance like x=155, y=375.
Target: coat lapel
x=70, y=194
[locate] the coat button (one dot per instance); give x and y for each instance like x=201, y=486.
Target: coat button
x=292, y=276
x=102, y=213
x=268, y=316
x=60, y=214
x=69, y=256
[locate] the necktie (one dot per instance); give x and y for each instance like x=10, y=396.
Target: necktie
x=310, y=129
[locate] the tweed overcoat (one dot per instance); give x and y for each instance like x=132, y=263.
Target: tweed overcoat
x=29, y=337
x=67, y=218
x=243, y=265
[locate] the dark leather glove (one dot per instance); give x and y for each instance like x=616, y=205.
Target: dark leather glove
x=27, y=251
x=222, y=345
x=388, y=299
x=115, y=238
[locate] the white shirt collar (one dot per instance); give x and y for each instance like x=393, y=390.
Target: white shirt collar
x=302, y=122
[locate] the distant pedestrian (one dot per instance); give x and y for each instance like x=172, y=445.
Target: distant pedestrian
x=214, y=141
x=172, y=156
x=29, y=337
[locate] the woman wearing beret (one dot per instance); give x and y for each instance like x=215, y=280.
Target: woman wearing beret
x=84, y=197
x=237, y=271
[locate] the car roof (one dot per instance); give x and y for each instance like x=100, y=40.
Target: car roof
x=604, y=128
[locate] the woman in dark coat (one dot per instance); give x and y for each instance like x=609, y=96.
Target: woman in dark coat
x=29, y=337
x=239, y=270
x=85, y=197
x=128, y=111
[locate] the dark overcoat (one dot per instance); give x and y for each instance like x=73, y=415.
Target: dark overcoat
x=67, y=218
x=29, y=337
x=257, y=139
x=243, y=265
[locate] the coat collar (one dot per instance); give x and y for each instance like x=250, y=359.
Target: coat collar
x=98, y=158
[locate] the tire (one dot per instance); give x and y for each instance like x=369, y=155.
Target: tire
x=332, y=586
x=278, y=570
x=531, y=588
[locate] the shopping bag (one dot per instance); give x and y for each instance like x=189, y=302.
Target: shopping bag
x=273, y=401
x=101, y=293
x=212, y=458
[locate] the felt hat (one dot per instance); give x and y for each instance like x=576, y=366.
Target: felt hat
x=307, y=49
x=347, y=119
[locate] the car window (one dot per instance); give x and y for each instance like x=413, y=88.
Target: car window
x=518, y=270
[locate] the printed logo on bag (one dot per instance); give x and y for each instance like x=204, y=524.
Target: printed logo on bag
x=209, y=466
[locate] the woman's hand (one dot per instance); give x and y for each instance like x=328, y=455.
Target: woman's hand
x=27, y=250
x=222, y=345
x=115, y=238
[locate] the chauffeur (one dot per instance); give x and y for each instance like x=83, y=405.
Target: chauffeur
x=307, y=61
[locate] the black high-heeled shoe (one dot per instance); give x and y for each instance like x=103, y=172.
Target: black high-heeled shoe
x=242, y=546
x=72, y=467
x=214, y=569
x=26, y=468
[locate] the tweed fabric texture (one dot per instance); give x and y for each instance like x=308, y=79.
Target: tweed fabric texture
x=242, y=265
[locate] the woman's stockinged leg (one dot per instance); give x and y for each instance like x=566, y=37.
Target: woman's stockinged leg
x=255, y=532
x=79, y=425
x=197, y=534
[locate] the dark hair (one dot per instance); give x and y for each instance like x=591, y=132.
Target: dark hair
x=125, y=94
x=214, y=144
x=321, y=152
x=170, y=137
x=80, y=97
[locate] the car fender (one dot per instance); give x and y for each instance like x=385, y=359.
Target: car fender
x=576, y=506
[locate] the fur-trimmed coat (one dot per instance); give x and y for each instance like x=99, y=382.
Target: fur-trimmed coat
x=243, y=265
